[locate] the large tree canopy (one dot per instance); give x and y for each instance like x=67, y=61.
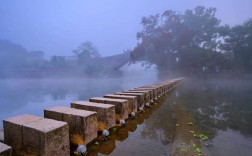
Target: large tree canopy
x=238, y=45
x=175, y=41
x=86, y=52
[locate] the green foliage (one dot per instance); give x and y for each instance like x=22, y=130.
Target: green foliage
x=190, y=123
x=238, y=41
x=183, y=150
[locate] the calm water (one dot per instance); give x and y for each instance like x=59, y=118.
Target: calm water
x=223, y=111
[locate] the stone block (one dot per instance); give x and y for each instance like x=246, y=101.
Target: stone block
x=132, y=101
x=140, y=97
x=121, y=106
x=82, y=124
x=146, y=95
x=33, y=135
x=5, y=150
x=1, y=136
x=46, y=137
x=150, y=91
x=13, y=129
x=105, y=113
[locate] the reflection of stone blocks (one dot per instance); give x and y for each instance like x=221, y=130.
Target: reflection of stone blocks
x=5, y=150
x=121, y=106
x=81, y=123
x=105, y=112
x=46, y=137
x=132, y=101
x=28, y=134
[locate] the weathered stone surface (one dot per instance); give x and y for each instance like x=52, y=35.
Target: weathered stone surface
x=146, y=95
x=81, y=123
x=147, y=90
x=33, y=135
x=13, y=129
x=140, y=97
x=132, y=101
x=154, y=89
x=105, y=112
x=121, y=106
x=5, y=150
x=46, y=137
x=1, y=136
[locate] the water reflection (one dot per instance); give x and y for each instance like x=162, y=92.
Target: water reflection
x=150, y=133
x=221, y=108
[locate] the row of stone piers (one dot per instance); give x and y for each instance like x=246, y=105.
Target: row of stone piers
x=77, y=124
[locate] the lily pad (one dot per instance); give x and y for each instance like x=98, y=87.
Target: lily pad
x=97, y=143
x=183, y=149
x=190, y=123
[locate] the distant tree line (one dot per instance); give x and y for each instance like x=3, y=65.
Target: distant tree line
x=16, y=61
x=194, y=42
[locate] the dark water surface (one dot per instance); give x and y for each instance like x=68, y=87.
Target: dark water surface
x=223, y=110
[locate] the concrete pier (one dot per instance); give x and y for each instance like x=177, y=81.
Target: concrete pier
x=33, y=135
x=105, y=113
x=140, y=97
x=146, y=95
x=148, y=91
x=81, y=123
x=121, y=106
x=132, y=101
x=5, y=150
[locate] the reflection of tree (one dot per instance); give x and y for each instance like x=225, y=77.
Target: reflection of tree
x=160, y=126
x=218, y=105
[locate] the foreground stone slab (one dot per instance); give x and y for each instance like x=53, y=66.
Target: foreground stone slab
x=121, y=106
x=33, y=135
x=46, y=137
x=5, y=150
x=105, y=113
x=82, y=124
x=140, y=97
x=13, y=132
x=132, y=101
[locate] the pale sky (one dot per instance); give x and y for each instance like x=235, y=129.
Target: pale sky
x=59, y=26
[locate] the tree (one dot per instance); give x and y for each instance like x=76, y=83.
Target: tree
x=179, y=41
x=86, y=52
x=237, y=42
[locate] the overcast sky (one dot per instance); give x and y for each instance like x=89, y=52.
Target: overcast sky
x=59, y=26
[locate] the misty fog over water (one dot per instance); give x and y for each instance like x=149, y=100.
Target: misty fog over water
x=32, y=96
x=56, y=52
